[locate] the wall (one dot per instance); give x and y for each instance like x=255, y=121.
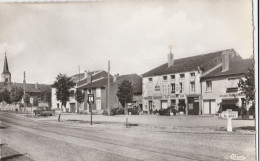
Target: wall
x=158, y=96
x=219, y=87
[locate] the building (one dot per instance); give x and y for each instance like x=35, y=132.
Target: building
x=99, y=89
x=80, y=80
x=35, y=91
x=220, y=86
x=177, y=83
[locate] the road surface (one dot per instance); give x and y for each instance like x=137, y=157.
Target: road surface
x=37, y=140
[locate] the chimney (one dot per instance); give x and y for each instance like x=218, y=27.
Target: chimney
x=36, y=86
x=89, y=77
x=170, y=59
x=225, y=62
x=115, y=77
x=85, y=74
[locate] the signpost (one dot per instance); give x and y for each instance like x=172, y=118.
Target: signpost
x=90, y=101
x=229, y=115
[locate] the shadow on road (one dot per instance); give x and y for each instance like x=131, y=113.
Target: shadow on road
x=12, y=157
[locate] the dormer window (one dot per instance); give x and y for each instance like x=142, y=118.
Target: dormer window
x=172, y=77
x=165, y=78
x=182, y=76
x=150, y=79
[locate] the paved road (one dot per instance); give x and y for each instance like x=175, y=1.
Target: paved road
x=43, y=141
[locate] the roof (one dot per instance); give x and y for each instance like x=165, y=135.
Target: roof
x=94, y=76
x=6, y=69
x=28, y=87
x=185, y=64
x=238, y=67
x=134, y=78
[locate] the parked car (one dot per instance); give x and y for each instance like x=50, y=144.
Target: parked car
x=44, y=111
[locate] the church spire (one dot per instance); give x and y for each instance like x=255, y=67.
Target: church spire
x=6, y=75
x=6, y=69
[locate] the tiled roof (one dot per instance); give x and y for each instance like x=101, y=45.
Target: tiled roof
x=185, y=64
x=235, y=68
x=134, y=78
x=28, y=87
x=95, y=76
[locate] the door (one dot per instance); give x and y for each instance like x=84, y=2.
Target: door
x=209, y=107
x=206, y=107
x=72, y=107
x=164, y=104
x=98, y=104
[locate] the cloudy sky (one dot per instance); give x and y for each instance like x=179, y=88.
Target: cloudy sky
x=45, y=39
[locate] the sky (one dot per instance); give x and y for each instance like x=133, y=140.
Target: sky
x=45, y=39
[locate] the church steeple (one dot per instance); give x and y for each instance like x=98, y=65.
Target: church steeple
x=6, y=75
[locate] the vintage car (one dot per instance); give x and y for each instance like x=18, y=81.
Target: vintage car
x=44, y=111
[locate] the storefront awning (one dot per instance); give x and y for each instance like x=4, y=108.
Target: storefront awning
x=229, y=101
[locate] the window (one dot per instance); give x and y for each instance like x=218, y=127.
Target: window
x=150, y=91
x=173, y=87
x=181, y=87
x=165, y=89
x=98, y=92
x=173, y=77
x=232, y=85
x=208, y=85
x=58, y=105
x=192, y=74
x=182, y=75
x=157, y=88
x=72, y=94
x=192, y=86
x=165, y=78
x=150, y=79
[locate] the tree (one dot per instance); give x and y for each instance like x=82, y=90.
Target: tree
x=16, y=94
x=247, y=85
x=125, y=92
x=1, y=96
x=79, y=96
x=6, y=96
x=63, y=84
x=46, y=97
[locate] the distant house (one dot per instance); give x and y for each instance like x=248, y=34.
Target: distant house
x=80, y=79
x=220, y=89
x=35, y=91
x=177, y=83
x=99, y=89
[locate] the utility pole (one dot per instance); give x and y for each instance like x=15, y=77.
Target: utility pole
x=24, y=82
x=76, y=90
x=108, y=88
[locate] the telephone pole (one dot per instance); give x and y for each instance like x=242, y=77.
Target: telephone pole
x=108, y=88
x=76, y=91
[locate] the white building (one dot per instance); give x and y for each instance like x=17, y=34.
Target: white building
x=220, y=87
x=72, y=105
x=177, y=83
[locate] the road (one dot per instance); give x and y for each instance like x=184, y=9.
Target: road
x=36, y=140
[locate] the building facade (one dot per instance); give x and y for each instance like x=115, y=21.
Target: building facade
x=80, y=79
x=177, y=83
x=220, y=89
x=100, y=90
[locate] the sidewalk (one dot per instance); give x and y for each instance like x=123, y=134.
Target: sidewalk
x=177, y=124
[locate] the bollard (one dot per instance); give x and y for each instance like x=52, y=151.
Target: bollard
x=229, y=125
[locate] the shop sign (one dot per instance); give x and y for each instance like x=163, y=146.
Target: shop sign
x=229, y=114
x=181, y=95
x=232, y=95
